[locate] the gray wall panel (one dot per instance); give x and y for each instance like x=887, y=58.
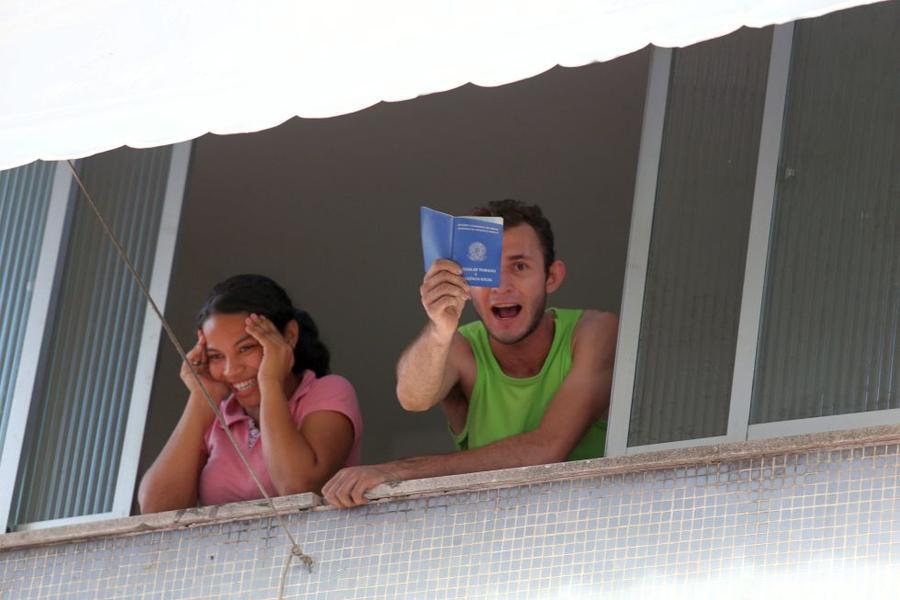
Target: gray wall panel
x=329, y=208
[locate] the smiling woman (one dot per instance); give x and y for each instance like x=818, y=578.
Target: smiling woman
x=261, y=359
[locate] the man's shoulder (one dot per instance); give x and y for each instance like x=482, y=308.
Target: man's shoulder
x=596, y=327
x=588, y=319
x=471, y=328
x=592, y=318
x=461, y=351
x=470, y=337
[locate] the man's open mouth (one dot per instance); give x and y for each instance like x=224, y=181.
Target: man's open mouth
x=506, y=311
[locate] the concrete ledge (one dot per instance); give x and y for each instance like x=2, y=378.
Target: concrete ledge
x=164, y=521
x=651, y=461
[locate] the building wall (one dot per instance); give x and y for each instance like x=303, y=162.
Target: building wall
x=817, y=523
x=329, y=208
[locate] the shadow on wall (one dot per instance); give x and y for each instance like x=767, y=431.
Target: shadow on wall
x=329, y=208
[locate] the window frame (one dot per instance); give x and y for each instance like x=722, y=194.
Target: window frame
x=739, y=427
x=46, y=282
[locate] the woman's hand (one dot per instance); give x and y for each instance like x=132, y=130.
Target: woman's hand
x=197, y=357
x=171, y=481
x=278, y=353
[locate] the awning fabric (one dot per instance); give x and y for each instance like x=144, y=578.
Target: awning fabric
x=80, y=77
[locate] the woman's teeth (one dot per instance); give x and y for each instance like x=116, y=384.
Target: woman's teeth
x=243, y=386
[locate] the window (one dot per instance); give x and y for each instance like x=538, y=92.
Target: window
x=697, y=252
x=83, y=343
x=831, y=306
x=762, y=296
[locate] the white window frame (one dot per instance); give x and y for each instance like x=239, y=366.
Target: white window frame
x=739, y=427
x=45, y=282
x=42, y=291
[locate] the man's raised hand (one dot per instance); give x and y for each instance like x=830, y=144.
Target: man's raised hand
x=444, y=292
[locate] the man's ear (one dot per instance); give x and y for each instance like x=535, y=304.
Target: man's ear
x=555, y=276
x=291, y=332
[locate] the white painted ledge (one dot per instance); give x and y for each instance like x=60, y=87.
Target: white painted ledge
x=436, y=486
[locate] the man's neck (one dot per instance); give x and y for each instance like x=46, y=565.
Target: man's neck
x=526, y=357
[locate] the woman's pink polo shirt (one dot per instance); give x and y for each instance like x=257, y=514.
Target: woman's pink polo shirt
x=224, y=477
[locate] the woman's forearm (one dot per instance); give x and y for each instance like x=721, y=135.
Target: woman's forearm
x=171, y=481
x=290, y=459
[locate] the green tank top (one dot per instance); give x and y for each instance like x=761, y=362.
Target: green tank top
x=501, y=406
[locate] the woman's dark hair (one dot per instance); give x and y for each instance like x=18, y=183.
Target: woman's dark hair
x=259, y=294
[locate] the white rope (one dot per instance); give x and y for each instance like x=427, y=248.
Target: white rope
x=296, y=551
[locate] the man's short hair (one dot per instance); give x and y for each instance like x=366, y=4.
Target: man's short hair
x=516, y=212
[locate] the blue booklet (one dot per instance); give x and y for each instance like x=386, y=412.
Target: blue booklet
x=474, y=243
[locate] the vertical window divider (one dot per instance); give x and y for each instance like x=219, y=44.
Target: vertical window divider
x=760, y=229
x=638, y=250
x=58, y=215
x=151, y=330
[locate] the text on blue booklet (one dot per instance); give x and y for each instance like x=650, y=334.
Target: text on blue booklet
x=474, y=243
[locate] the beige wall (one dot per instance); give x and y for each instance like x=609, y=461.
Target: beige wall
x=329, y=209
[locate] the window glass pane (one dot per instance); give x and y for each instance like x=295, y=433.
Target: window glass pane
x=828, y=341
x=80, y=403
x=24, y=198
x=699, y=241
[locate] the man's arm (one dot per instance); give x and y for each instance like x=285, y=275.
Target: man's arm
x=428, y=368
x=582, y=399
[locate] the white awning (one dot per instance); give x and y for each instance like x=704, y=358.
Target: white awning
x=77, y=78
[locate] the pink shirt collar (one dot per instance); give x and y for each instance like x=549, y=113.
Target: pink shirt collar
x=233, y=412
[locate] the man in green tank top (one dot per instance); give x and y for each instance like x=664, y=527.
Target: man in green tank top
x=524, y=385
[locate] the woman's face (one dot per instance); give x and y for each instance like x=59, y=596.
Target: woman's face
x=234, y=356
